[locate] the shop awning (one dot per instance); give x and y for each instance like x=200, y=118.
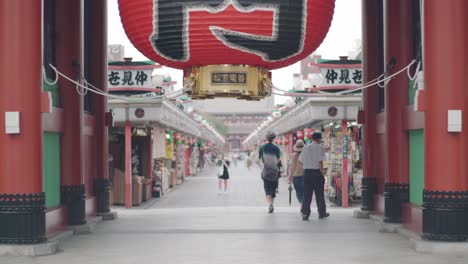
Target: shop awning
x=160, y=112
x=309, y=111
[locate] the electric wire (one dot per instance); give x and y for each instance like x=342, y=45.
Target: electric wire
x=371, y=84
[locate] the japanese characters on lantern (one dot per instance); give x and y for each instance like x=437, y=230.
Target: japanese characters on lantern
x=192, y=34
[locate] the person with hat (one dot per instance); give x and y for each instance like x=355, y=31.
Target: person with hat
x=270, y=156
x=312, y=157
x=296, y=171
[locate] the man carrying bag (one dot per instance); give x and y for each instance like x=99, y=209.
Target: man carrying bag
x=270, y=156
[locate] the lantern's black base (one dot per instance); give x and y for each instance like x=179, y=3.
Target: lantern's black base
x=368, y=189
x=102, y=191
x=445, y=215
x=22, y=218
x=74, y=198
x=396, y=194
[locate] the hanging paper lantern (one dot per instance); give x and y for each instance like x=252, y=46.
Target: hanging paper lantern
x=300, y=134
x=176, y=137
x=308, y=133
x=171, y=137
x=191, y=34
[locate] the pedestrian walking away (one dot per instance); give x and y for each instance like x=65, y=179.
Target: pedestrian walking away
x=312, y=157
x=270, y=155
x=296, y=171
x=223, y=174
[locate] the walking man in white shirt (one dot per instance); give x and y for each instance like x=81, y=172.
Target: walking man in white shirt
x=312, y=157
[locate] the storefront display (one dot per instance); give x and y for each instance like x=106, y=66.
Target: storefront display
x=336, y=153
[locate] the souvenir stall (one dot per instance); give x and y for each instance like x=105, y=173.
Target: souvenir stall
x=179, y=153
x=311, y=114
x=162, y=151
x=148, y=128
x=343, y=156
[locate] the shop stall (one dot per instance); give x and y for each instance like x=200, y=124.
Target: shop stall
x=334, y=116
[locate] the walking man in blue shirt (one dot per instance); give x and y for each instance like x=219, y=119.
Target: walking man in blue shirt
x=312, y=157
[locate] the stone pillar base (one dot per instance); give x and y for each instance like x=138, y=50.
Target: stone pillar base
x=74, y=198
x=369, y=188
x=22, y=218
x=445, y=216
x=109, y=216
x=395, y=195
x=102, y=191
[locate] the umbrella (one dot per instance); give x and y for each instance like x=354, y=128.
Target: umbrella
x=290, y=191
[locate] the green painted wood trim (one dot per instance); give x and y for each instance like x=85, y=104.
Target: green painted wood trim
x=54, y=90
x=412, y=92
x=416, y=166
x=51, y=169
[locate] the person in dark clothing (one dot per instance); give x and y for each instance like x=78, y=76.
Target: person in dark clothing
x=223, y=174
x=312, y=160
x=270, y=156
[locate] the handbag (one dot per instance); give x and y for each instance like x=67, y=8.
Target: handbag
x=220, y=170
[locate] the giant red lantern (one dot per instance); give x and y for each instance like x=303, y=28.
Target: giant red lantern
x=191, y=34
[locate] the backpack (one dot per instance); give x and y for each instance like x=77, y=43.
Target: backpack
x=270, y=170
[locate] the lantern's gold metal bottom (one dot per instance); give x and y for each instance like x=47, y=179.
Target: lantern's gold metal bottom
x=228, y=81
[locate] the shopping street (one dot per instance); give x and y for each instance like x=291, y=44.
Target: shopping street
x=193, y=224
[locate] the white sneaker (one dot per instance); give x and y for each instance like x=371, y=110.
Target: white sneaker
x=220, y=192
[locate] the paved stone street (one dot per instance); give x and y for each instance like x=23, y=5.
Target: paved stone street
x=193, y=224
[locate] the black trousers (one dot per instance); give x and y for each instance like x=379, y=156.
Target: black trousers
x=313, y=182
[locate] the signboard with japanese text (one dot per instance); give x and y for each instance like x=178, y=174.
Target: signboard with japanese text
x=340, y=76
x=229, y=78
x=130, y=78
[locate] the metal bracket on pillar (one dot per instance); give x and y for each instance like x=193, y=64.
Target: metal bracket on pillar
x=445, y=215
x=22, y=218
x=74, y=198
x=396, y=194
x=368, y=190
x=102, y=191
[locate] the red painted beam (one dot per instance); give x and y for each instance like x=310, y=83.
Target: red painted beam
x=398, y=31
x=20, y=69
x=445, y=64
x=370, y=64
x=68, y=58
x=98, y=76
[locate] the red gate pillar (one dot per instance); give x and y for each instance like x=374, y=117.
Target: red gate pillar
x=128, y=164
x=68, y=62
x=445, y=198
x=370, y=52
x=398, y=39
x=98, y=77
x=22, y=200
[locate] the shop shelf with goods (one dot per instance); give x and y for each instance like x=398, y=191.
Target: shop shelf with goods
x=333, y=144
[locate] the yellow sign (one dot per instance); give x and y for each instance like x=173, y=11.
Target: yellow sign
x=242, y=82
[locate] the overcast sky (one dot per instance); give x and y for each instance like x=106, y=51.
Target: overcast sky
x=344, y=31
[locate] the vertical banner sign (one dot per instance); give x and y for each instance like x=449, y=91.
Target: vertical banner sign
x=345, y=178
